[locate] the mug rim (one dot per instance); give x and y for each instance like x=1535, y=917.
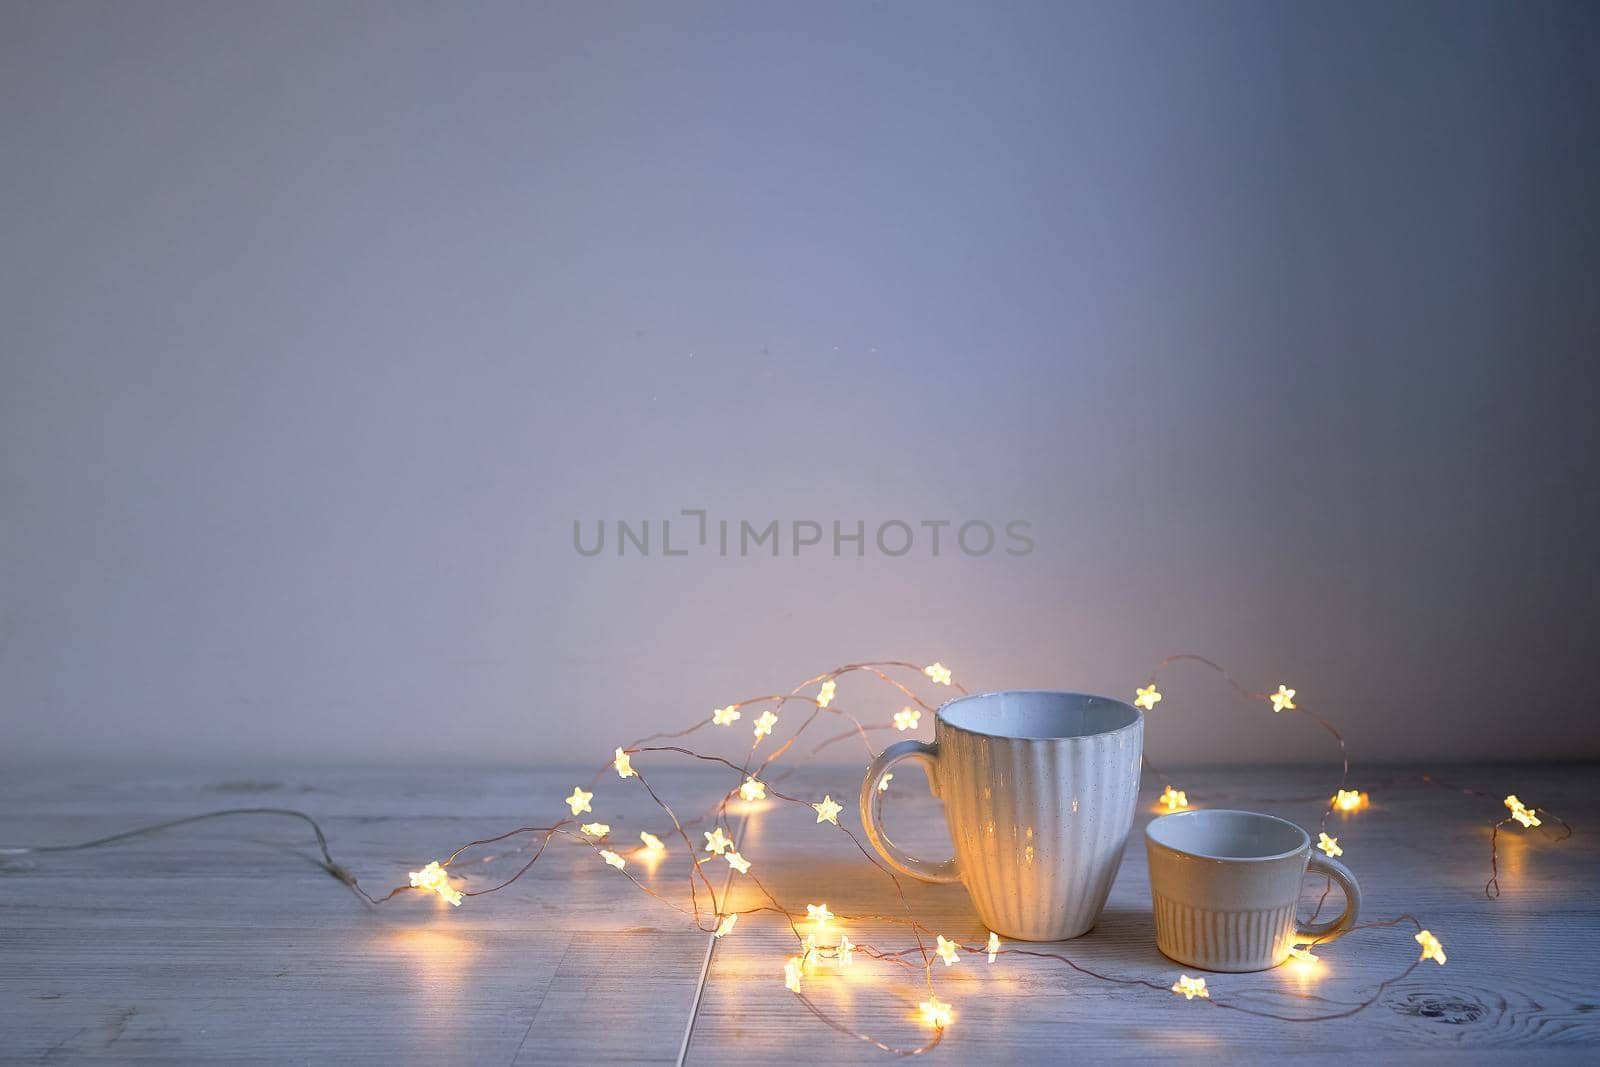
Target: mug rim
x=941, y=719
x=1304, y=845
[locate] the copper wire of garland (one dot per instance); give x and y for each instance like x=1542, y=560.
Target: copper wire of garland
x=718, y=814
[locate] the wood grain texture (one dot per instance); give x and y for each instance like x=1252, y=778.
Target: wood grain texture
x=225, y=941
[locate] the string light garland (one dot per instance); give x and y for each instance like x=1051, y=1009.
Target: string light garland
x=755, y=783
x=1431, y=949
x=1350, y=800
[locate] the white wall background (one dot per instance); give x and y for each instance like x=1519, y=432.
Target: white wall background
x=320, y=324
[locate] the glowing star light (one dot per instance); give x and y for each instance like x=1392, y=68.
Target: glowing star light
x=1523, y=815
x=1304, y=955
x=1189, y=988
x=947, y=951
x=579, y=800
x=1330, y=845
x=1174, y=799
x=825, y=694
x=724, y=716
x=883, y=783
x=765, y=723
x=736, y=861
x=828, y=811
x=596, y=829
x=791, y=974
x=717, y=842
x=1350, y=800
x=725, y=927
x=1147, y=697
x=752, y=790
x=623, y=766
x=652, y=843
x=1431, y=949
x=1283, y=698
x=433, y=877
x=612, y=858
x=935, y=1012
x=907, y=719
x=846, y=952
x=819, y=916
x=938, y=673
x=994, y=945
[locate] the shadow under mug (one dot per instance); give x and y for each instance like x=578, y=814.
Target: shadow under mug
x=1039, y=790
x=1225, y=886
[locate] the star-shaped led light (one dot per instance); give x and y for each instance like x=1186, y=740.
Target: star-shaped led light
x=652, y=843
x=1350, y=800
x=1283, y=698
x=596, y=829
x=1174, y=799
x=938, y=673
x=947, y=951
x=1519, y=812
x=579, y=800
x=623, y=765
x=753, y=789
x=736, y=861
x=1147, y=697
x=612, y=858
x=433, y=877
x=725, y=927
x=1304, y=955
x=764, y=723
x=725, y=716
x=819, y=916
x=791, y=974
x=808, y=953
x=994, y=945
x=1330, y=845
x=828, y=811
x=1431, y=949
x=907, y=719
x=883, y=783
x=825, y=694
x=717, y=842
x=935, y=1012
x=1189, y=988
x=847, y=952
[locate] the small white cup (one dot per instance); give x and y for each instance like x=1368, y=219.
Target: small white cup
x=1225, y=885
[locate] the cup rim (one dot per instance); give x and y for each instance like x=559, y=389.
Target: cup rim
x=1305, y=838
x=1135, y=722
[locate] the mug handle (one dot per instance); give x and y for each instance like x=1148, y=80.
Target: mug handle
x=1327, y=931
x=928, y=756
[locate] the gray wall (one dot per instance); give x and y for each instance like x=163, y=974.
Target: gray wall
x=322, y=323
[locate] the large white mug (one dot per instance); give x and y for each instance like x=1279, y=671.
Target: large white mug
x=1039, y=790
x=1225, y=885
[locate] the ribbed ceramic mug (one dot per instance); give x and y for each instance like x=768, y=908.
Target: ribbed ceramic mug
x=1225, y=885
x=1039, y=790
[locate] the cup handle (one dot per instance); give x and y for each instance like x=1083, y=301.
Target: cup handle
x=1327, y=931
x=928, y=756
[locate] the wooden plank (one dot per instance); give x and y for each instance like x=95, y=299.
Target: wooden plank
x=225, y=942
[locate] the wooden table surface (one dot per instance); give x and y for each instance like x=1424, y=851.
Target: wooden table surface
x=224, y=940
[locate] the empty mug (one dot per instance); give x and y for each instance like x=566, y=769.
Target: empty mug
x=1225, y=885
x=1039, y=790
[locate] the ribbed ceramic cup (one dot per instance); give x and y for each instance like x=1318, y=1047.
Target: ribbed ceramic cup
x=1039, y=791
x=1225, y=885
